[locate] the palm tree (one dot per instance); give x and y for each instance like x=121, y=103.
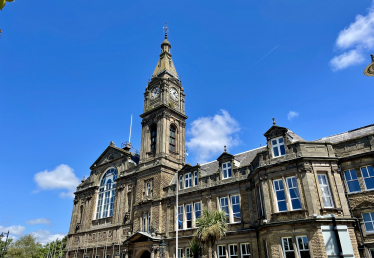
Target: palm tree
x=195, y=248
x=211, y=227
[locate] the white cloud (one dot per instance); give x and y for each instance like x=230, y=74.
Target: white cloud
x=359, y=38
x=14, y=230
x=62, y=177
x=38, y=221
x=291, y=115
x=210, y=134
x=44, y=236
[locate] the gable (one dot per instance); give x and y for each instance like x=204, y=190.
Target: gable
x=275, y=131
x=110, y=153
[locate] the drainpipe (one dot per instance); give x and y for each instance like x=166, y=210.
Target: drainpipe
x=358, y=224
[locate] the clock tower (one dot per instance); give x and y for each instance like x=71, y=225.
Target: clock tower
x=163, y=124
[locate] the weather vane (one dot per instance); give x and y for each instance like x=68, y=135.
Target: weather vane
x=166, y=30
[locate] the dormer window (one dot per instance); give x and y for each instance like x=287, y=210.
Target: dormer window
x=226, y=170
x=153, y=137
x=277, y=145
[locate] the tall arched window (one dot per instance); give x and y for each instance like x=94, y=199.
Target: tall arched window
x=107, y=192
x=153, y=137
x=172, y=138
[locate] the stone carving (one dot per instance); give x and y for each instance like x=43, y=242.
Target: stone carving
x=305, y=169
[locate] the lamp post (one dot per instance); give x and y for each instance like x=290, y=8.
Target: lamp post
x=162, y=248
x=369, y=70
x=3, y=250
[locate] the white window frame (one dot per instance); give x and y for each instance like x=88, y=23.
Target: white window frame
x=195, y=178
x=275, y=193
x=232, y=197
x=195, y=210
x=289, y=193
x=233, y=255
x=106, y=195
x=260, y=207
x=144, y=222
x=366, y=177
x=180, y=252
x=371, y=221
x=148, y=189
x=298, y=246
x=180, y=182
x=223, y=249
x=277, y=145
x=228, y=206
x=352, y=180
x=191, y=212
x=187, y=180
x=328, y=189
x=226, y=169
x=181, y=208
x=149, y=222
x=288, y=242
x=187, y=250
x=248, y=250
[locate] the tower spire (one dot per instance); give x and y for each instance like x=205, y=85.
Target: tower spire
x=166, y=30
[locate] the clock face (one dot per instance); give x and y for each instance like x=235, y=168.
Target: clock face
x=173, y=93
x=155, y=92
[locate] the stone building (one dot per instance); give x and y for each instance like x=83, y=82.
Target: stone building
x=290, y=198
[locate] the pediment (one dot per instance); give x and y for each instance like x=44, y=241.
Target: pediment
x=225, y=155
x=275, y=131
x=140, y=237
x=364, y=205
x=110, y=153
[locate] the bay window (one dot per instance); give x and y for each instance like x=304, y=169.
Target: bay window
x=325, y=191
x=235, y=208
x=293, y=193
x=280, y=195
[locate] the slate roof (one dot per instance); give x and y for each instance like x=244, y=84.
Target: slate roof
x=359, y=132
x=292, y=137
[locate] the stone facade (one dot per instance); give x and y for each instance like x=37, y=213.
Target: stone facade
x=285, y=191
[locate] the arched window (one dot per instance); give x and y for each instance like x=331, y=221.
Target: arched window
x=153, y=137
x=107, y=192
x=172, y=138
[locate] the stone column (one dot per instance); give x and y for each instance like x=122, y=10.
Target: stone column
x=307, y=180
x=250, y=204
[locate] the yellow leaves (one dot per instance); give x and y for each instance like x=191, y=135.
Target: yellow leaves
x=2, y=3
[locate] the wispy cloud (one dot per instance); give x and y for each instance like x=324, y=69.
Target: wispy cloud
x=355, y=41
x=38, y=221
x=44, y=236
x=291, y=115
x=62, y=177
x=13, y=230
x=265, y=55
x=210, y=134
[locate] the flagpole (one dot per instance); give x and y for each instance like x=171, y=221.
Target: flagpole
x=177, y=221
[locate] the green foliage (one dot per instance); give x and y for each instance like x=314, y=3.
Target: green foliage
x=25, y=247
x=195, y=248
x=28, y=247
x=2, y=3
x=2, y=244
x=211, y=227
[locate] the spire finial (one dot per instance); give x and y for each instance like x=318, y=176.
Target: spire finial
x=273, y=121
x=166, y=30
x=225, y=148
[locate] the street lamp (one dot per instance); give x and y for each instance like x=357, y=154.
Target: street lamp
x=369, y=70
x=162, y=248
x=3, y=250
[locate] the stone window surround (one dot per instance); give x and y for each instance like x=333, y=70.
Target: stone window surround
x=184, y=222
x=331, y=181
x=238, y=244
x=360, y=177
x=273, y=198
x=293, y=235
x=183, y=176
x=144, y=216
x=228, y=195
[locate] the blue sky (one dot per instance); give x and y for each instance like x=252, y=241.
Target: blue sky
x=72, y=73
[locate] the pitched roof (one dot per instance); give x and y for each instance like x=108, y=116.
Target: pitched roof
x=369, y=129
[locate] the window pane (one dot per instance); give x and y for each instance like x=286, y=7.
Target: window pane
x=304, y=254
x=369, y=226
x=280, y=195
x=364, y=172
x=354, y=186
x=353, y=174
x=282, y=149
x=369, y=183
x=275, y=150
x=280, y=140
x=274, y=142
x=282, y=206
x=296, y=204
x=229, y=172
x=370, y=170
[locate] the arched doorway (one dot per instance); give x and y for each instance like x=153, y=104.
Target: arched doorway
x=146, y=254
